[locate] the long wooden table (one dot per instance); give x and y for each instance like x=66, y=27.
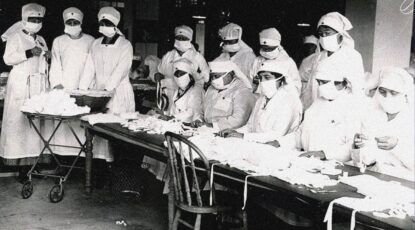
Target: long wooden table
x=269, y=185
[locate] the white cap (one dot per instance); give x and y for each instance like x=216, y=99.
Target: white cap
x=273, y=67
x=221, y=66
x=311, y=40
x=109, y=13
x=183, y=64
x=231, y=32
x=396, y=79
x=329, y=71
x=72, y=13
x=185, y=31
x=270, y=37
x=336, y=21
x=33, y=10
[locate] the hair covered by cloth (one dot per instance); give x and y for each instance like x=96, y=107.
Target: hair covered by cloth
x=72, y=13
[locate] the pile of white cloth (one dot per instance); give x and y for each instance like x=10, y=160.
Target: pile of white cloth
x=103, y=118
x=55, y=102
x=383, y=198
x=153, y=125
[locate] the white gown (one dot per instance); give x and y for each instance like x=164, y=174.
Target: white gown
x=305, y=70
x=188, y=107
x=281, y=115
x=68, y=62
x=243, y=58
x=107, y=67
x=18, y=139
x=293, y=76
x=165, y=67
x=229, y=108
x=399, y=161
x=349, y=61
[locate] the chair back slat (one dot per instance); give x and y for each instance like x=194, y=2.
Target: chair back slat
x=186, y=178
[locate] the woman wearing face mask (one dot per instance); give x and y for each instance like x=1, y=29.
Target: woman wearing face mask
x=188, y=99
x=69, y=53
x=338, y=48
x=271, y=49
x=276, y=113
x=332, y=120
x=386, y=142
x=234, y=49
x=228, y=102
x=107, y=67
x=183, y=48
x=25, y=49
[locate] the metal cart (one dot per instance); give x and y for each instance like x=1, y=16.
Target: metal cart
x=57, y=192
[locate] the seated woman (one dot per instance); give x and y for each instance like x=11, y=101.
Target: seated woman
x=332, y=120
x=386, y=142
x=276, y=112
x=229, y=100
x=188, y=98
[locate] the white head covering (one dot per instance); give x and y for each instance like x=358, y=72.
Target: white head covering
x=396, y=79
x=270, y=37
x=273, y=67
x=311, y=40
x=185, y=31
x=328, y=71
x=109, y=13
x=152, y=62
x=72, y=13
x=231, y=31
x=32, y=10
x=339, y=23
x=183, y=64
x=28, y=10
x=228, y=66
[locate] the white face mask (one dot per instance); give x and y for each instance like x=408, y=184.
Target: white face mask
x=231, y=48
x=219, y=84
x=107, y=31
x=328, y=91
x=330, y=43
x=32, y=27
x=392, y=104
x=270, y=55
x=182, y=46
x=182, y=81
x=269, y=88
x=73, y=30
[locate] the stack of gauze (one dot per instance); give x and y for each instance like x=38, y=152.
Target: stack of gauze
x=55, y=102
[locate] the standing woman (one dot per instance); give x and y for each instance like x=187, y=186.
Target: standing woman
x=25, y=51
x=107, y=67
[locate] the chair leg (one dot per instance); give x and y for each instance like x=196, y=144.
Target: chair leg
x=198, y=221
x=245, y=220
x=176, y=219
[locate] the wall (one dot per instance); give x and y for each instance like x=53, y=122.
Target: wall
x=393, y=33
x=362, y=15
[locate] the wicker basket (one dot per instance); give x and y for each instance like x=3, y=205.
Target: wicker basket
x=97, y=104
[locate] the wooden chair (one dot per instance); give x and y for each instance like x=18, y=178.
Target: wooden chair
x=189, y=180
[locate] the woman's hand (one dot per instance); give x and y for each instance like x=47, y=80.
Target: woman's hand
x=165, y=117
x=197, y=124
x=60, y=86
x=318, y=154
x=226, y=132
x=387, y=142
x=359, y=140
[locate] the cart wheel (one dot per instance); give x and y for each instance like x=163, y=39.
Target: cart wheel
x=27, y=189
x=56, y=194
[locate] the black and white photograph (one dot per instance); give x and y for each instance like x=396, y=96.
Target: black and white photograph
x=207, y=115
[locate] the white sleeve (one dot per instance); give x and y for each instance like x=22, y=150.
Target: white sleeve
x=122, y=69
x=164, y=64
x=203, y=66
x=89, y=72
x=56, y=72
x=294, y=76
x=13, y=53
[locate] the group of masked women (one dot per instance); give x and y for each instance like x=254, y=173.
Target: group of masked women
x=323, y=109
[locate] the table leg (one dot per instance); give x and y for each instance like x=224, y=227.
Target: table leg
x=88, y=160
x=170, y=196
